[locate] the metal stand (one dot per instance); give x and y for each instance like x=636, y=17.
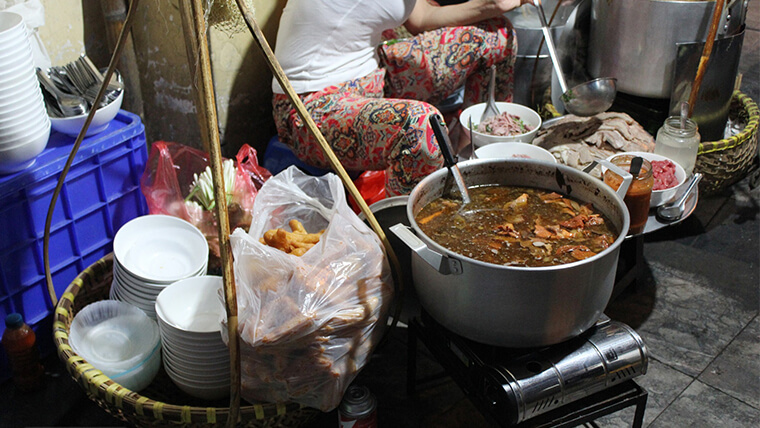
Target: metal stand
x=630, y=264
x=582, y=411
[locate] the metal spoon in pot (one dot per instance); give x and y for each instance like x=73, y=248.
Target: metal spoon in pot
x=586, y=99
x=674, y=211
x=436, y=122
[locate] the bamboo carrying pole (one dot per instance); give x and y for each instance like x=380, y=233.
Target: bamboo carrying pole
x=200, y=69
x=279, y=74
x=125, y=31
x=704, y=59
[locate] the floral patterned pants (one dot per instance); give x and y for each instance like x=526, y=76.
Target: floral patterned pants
x=380, y=121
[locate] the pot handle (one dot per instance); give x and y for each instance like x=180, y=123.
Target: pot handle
x=441, y=263
x=627, y=177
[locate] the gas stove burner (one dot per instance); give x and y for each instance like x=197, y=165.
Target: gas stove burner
x=516, y=385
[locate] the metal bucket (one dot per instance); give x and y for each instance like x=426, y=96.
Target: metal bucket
x=635, y=40
x=533, y=67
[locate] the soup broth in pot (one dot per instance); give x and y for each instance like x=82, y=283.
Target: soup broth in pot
x=517, y=226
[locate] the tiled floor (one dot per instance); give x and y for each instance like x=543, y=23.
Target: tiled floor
x=696, y=307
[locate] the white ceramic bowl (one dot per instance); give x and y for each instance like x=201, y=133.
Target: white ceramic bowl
x=19, y=88
x=514, y=150
x=17, y=70
x=10, y=51
x=211, y=341
x=154, y=286
x=33, y=125
x=146, y=307
x=183, y=350
x=660, y=197
x=200, y=372
x=22, y=156
x=206, y=391
x=25, y=95
x=192, y=360
x=73, y=124
x=160, y=248
x=135, y=295
x=192, y=304
x=18, y=58
x=12, y=28
x=528, y=116
x=118, y=339
x=32, y=105
x=11, y=143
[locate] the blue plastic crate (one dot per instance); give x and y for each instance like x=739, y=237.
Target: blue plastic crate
x=101, y=193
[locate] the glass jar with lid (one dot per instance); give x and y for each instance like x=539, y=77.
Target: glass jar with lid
x=679, y=143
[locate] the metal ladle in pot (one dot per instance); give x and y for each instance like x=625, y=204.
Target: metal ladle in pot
x=586, y=99
x=448, y=156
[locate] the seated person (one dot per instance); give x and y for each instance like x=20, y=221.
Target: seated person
x=372, y=100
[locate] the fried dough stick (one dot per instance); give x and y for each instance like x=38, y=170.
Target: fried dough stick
x=297, y=242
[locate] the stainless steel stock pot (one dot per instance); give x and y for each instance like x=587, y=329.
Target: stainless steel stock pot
x=505, y=305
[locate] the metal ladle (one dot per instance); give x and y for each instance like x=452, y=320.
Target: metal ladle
x=672, y=212
x=448, y=157
x=586, y=99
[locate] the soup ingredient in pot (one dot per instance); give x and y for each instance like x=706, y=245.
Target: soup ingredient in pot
x=664, y=172
x=517, y=226
x=503, y=124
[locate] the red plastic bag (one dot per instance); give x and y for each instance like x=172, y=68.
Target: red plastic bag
x=371, y=185
x=171, y=175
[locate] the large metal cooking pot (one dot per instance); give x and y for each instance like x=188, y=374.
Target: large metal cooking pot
x=635, y=40
x=505, y=305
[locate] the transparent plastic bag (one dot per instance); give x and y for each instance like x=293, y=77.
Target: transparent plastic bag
x=308, y=324
x=168, y=181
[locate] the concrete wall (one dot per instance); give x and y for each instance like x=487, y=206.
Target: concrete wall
x=241, y=77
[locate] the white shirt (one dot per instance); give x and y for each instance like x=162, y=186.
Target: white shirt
x=325, y=42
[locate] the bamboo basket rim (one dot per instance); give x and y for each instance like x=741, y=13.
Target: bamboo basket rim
x=750, y=108
x=115, y=397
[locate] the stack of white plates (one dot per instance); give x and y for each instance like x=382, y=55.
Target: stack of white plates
x=152, y=252
x=24, y=123
x=190, y=317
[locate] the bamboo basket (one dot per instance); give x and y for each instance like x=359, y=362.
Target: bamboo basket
x=93, y=284
x=727, y=161
x=156, y=404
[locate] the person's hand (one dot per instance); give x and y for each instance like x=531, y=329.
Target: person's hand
x=507, y=5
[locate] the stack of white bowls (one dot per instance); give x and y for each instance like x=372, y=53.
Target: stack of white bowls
x=24, y=123
x=152, y=252
x=190, y=315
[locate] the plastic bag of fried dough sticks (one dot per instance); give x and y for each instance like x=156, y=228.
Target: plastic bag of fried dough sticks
x=307, y=323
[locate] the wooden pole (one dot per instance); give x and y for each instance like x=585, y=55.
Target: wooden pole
x=203, y=83
x=279, y=74
x=78, y=142
x=703, y=60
